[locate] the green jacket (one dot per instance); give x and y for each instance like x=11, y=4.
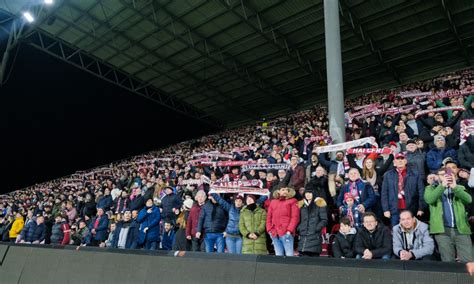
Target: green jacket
x=461, y=198
x=253, y=222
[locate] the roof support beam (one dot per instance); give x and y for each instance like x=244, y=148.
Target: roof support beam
x=14, y=34
x=359, y=31
x=219, y=96
x=92, y=65
x=232, y=66
x=454, y=30
x=288, y=49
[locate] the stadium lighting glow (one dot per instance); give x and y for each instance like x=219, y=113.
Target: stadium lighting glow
x=28, y=17
x=48, y=2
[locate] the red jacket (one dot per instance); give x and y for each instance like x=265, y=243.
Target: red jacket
x=193, y=219
x=283, y=215
x=297, y=177
x=67, y=234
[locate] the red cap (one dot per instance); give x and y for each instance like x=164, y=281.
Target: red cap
x=400, y=155
x=392, y=143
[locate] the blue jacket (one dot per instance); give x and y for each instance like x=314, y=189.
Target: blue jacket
x=366, y=195
x=413, y=188
x=168, y=239
x=105, y=202
x=101, y=230
x=168, y=202
x=132, y=235
x=213, y=218
x=33, y=232
x=152, y=221
x=435, y=157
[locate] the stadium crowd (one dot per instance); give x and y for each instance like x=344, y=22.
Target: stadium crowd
x=400, y=187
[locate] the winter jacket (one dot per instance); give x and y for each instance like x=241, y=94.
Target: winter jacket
x=168, y=239
x=283, y=214
x=253, y=222
x=435, y=157
x=212, y=218
x=366, y=194
x=433, y=196
x=152, y=222
x=132, y=234
x=101, y=230
x=313, y=218
x=193, y=219
x=297, y=177
x=60, y=234
x=33, y=232
x=416, y=162
x=168, y=203
x=234, y=215
x=379, y=242
x=423, y=244
x=82, y=237
x=17, y=227
x=466, y=153
x=412, y=186
x=105, y=202
x=343, y=245
x=90, y=209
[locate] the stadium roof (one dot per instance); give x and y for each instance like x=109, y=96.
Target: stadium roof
x=230, y=62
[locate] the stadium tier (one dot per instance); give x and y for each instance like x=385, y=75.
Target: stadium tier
x=274, y=188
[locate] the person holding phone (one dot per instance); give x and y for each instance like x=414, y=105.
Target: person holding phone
x=448, y=219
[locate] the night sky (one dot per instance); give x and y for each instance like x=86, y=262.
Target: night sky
x=56, y=119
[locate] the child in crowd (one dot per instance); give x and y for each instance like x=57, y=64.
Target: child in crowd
x=344, y=241
x=349, y=210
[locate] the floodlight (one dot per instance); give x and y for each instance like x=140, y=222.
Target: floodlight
x=28, y=17
x=48, y=2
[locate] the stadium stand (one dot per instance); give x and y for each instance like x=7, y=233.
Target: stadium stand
x=272, y=188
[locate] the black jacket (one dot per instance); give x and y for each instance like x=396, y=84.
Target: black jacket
x=312, y=220
x=379, y=242
x=466, y=153
x=213, y=218
x=343, y=245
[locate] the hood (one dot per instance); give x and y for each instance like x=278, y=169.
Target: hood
x=291, y=193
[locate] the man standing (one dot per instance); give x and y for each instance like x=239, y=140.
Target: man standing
x=373, y=240
x=192, y=222
x=34, y=231
x=60, y=233
x=411, y=238
x=402, y=188
x=213, y=220
x=149, y=219
x=448, y=219
x=98, y=227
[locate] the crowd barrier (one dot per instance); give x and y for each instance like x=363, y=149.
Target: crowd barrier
x=49, y=264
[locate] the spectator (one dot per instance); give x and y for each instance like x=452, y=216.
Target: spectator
x=181, y=242
x=297, y=173
x=373, y=241
x=81, y=236
x=466, y=153
x=362, y=192
x=98, y=227
x=282, y=219
x=197, y=243
x=402, y=188
x=34, y=231
x=212, y=220
x=126, y=233
x=252, y=227
x=105, y=201
x=61, y=233
x=171, y=204
x=350, y=210
x=110, y=239
x=149, y=219
x=17, y=227
x=313, y=218
x=448, y=220
x=411, y=239
x=343, y=246
x=416, y=159
x=233, y=239
x=435, y=156
x=71, y=211
x=311, y=167
x=168, y=236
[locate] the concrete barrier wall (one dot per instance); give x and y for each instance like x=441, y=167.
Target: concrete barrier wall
x=30, y=264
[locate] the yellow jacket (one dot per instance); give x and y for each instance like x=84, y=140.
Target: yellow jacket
x=17, y=227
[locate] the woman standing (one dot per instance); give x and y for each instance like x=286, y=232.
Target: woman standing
x=313, y=218
x=252, y=227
